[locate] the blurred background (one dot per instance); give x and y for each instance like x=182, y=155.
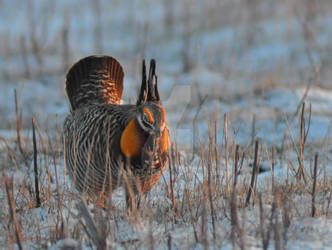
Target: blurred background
x=256, y=60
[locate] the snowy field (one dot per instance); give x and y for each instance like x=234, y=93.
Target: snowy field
x=230, y=73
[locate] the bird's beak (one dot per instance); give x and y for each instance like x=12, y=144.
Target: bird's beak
x=157, y=132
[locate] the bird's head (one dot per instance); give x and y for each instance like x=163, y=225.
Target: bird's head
x=150, y=111
x=147, y=132
x=151, y=118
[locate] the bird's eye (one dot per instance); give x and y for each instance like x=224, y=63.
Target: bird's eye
x=147, y=116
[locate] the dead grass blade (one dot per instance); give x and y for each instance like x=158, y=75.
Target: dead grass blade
x=253, y=174
x=35, y=166
x=11, y=204
x=91, y=228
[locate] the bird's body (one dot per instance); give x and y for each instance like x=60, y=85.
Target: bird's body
x=107, y=144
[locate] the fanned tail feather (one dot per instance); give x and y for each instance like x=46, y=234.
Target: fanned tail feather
x=94, y=79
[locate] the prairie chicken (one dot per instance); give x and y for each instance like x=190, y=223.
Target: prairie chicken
x=108, y=144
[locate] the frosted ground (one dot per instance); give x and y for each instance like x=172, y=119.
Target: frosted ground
x=255, y=61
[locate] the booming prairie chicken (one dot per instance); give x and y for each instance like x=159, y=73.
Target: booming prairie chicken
x=108, y=144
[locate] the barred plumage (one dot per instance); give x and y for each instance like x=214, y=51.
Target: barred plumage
x=110, y=145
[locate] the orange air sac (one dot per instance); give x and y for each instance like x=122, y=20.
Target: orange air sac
x=132, y=139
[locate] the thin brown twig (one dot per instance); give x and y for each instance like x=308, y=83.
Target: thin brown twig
x=302, y=140
x=35, y=166
x=210, y=193
x=11, y=206
x=265, y=236
x=91, y=227
x=254, y=173
x=313, y=207
x=193, y=222
x=18, y=117
x=328, y=203
x=226, y=153
x=235, y=228
x=171, y=180
x=236, y=171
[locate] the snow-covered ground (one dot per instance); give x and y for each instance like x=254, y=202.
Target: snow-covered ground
x=253, y=62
